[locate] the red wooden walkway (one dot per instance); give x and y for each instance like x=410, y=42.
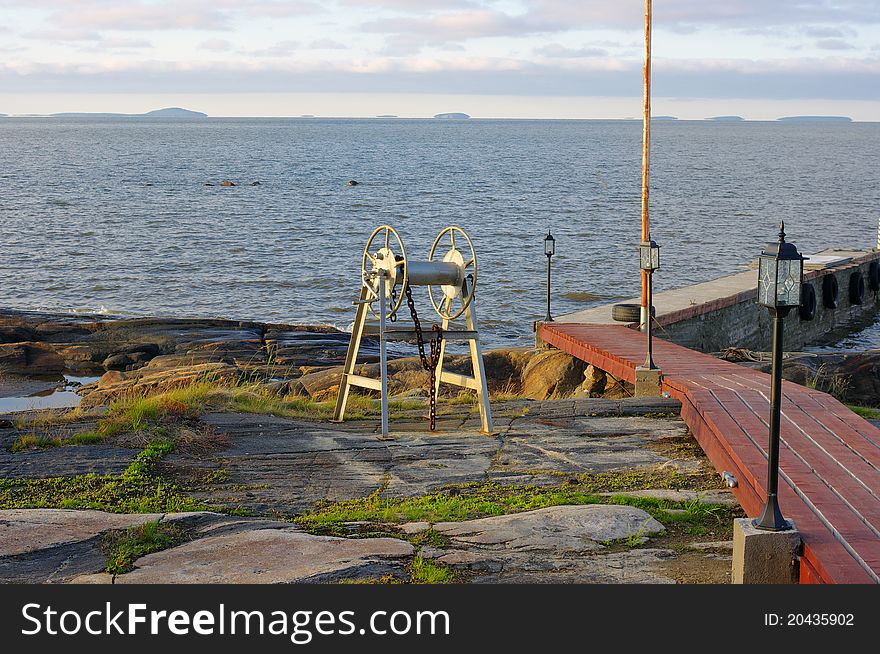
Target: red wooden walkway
x=829, y=457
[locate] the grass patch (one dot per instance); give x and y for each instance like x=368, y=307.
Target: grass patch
x=124, y=546
x=137, y=490
x=867, y=412
x=431, y=538
x=425, y=571
x=470, y=501
x=34, y=442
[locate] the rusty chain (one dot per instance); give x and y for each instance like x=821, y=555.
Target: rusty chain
x=428, y=364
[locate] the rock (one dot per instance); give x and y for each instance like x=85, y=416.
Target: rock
x=269, y=556
x=149, y=379
x=559, y=528
x=126, y=361
x=110, y=379
x=226, y=182
x=411, y=528
x=861, y=373
x=594, y=381
x=14, y=334
x=27, y=530
x=552, y=374
x=30, y=358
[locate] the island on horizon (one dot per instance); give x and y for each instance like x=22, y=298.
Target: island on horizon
x=170, y=112
x=664, y=117
x=727, y=119
x=452, y=116
x=815, y=119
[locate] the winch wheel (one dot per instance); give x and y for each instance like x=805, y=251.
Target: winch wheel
x=388, y=262
x=466, y=261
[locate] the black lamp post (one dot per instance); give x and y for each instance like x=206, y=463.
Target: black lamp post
x=780, y=278
x=649, y=261
x=549, y=250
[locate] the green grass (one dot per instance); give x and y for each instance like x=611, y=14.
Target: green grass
x=867, y=412
x=425, y=571
x=34, y=442
x=125, y=546
x=139, y=489
x=472, y=501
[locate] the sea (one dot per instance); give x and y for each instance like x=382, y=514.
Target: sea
x=129, y=217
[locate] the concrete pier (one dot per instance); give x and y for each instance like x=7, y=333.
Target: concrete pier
x=722, y=313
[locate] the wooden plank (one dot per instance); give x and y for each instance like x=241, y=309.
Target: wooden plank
x=830, y=458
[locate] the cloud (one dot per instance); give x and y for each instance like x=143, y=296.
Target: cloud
x=834, y=44
x=741, y=13
x=215, y=45
x=280, y=49
x=805, y=78
x=327, y=44
x=826, y=32
x=556, y=50
x=63, y=35
x=159, y=15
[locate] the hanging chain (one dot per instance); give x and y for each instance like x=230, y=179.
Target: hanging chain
x=428, y=364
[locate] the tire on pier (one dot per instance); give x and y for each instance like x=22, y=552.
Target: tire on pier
x=807, y=310
x=874, y=276
x=856, y=288
x=830, y=292
x=629, y=312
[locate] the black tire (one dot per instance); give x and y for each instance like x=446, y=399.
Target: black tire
x=856, y=288
x=874, y=276
x=830, y=292
x=629, y=312
x=807, y=310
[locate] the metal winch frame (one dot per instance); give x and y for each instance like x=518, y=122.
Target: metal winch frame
x=387, y=278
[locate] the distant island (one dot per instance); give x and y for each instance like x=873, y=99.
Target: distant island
x=170, y=112
x=664, y=117
x=453, y=116
x=386, y=116
x=727, y=119
x=815, y=119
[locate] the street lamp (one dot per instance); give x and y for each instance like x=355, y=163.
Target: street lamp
x=649, y=261
x=780, y=278
x=549, y=250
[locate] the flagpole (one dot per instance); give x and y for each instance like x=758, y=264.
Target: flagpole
x=646, y=158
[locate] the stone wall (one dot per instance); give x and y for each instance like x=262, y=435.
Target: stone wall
x=738, y=321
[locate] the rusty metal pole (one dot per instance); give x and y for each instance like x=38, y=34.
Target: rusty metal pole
x=646, y=160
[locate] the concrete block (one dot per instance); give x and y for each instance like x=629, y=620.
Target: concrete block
x=765, y=557
x=648, y=383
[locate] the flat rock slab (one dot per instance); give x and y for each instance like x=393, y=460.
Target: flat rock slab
x=267, y=557
x=560, y=529
x=69, y=461
x=27, y=530
x=637, y=566
x=289, y=465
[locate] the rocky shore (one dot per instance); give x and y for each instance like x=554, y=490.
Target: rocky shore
x=155, y=354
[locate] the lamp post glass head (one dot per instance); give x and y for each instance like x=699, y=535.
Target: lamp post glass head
x=549, y=244
x=649, y=256
x=780, y=274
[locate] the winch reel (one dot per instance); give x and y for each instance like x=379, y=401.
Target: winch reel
x=387, y=277
x=385, y=262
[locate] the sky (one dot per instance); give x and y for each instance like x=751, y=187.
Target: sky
x=490, y=58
